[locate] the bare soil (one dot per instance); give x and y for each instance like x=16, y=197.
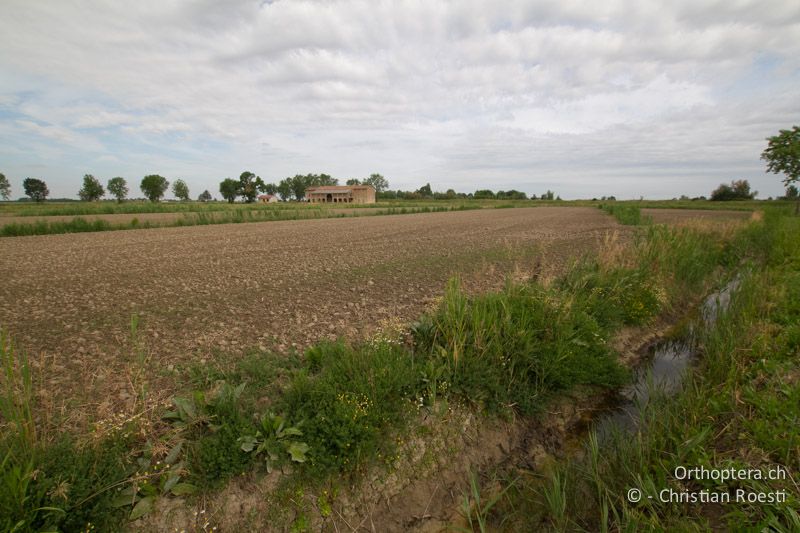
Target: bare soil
x=200, y=291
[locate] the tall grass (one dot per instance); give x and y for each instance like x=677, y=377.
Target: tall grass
x=627, y=214
x=202, y=218
x=44, y=227
x=514, y=348
x=739, y=410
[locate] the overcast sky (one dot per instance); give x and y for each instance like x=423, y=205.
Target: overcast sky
x=630, y=98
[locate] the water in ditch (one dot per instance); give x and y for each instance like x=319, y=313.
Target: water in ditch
x=663, y=370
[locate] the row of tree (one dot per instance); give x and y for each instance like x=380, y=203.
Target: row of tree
x=152, y=186
x=293, y=188
x=249, y=185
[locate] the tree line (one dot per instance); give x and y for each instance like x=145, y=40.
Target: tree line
x=292, y=188
x=152, y=186
x=782, y=156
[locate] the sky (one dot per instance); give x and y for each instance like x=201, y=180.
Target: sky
x=588, y=99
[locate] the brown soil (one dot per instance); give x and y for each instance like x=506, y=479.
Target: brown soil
x=198, y=291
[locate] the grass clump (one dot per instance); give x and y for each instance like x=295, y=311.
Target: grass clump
x=349, y=400
x=43, y=227
x=627, y=214
x=58, y=485
x=514, y=348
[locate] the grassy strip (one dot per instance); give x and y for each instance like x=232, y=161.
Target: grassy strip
x=740, y=410
x=337, y=411
x=32, y=209
x=628, y=214
x=238, y=216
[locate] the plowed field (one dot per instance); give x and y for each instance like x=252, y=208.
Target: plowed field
x=200, y=292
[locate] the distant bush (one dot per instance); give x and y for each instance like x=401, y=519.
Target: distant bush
x=737, y=190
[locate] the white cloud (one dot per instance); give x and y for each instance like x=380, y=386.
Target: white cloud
x=411, y=88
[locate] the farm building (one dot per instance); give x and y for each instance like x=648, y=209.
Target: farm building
x=349, y=194
x=267, y=198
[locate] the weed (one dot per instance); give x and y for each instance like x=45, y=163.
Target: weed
x=629, y=215
x=512, y=349
x=476, y=509
x=350, y=398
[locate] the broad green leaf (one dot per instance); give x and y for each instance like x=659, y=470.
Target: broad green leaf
x=298, y=451
x=183, y=488
x=144, y=506
x=124, y=500
x=247, y=443
x=173, y=454
x=186, y=406
x=172, y=480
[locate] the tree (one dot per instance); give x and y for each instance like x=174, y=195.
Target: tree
x=483, y=194
x=249, y=185
x=737, y=190
x=513, y=194
x=230, y=189
x=378, y=182
x=180, y=190
x=354, y=181
x=205, y=196
x=791, y=193
x=5, y=187
x=270, y=188
x=425, y=191
x=154, y=187
x=783, y=157
x=118, y=188
x=296, y=185
x=91, y=190
x=285, y=189
x=36, y=189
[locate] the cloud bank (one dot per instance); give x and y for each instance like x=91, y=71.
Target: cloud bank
x=631, y=98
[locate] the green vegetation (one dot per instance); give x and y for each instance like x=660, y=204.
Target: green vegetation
x=92, y=190
x=39, y=489
x=199, y=218
x=42, y=227
x=229, y=189
x=738, y=410
x=5, y=187
x=36, y=189
x=180, y=190
x=628, y=214
x=737, y=190
x=783, y=154
x=154, y=187
x=340, y=409
x=118, y=188
x=514, y=348
x=783, y=157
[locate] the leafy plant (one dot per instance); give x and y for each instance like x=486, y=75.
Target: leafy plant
x=273, y=439
x=158, y=478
